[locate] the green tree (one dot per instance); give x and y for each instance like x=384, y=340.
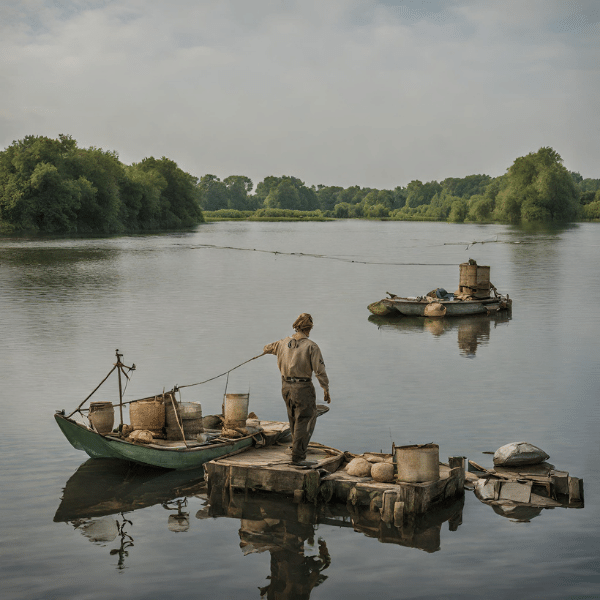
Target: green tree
x=537, y=188
x=480, y=209
x=342, y=210
x=283, y=195
x=467, y=186
x=179, y=203
x=214, y=193
x=376, y=211
x=327, y=196
x=591, y=211
x=238, y=187
x=458, y=211
x=36, y=189
x=418, y=193
x=145, y=187
x=105, y=210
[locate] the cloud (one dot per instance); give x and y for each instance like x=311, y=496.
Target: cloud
x=342, y=92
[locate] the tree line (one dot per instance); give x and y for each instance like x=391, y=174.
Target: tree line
x=52, y=185
x=536, y=188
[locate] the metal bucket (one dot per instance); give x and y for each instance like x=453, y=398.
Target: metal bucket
x=417, y=463
x=190, y=419
x=235, y=409
x=102, y=416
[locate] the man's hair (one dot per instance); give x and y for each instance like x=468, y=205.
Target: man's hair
x=303, y=322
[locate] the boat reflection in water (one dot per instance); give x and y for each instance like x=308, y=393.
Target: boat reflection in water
x=100, y=497
x=102, y=490
x=472, y=330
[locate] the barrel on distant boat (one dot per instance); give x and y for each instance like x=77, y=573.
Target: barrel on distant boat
x=474, y=279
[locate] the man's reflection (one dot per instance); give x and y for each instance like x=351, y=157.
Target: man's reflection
x=294, y=572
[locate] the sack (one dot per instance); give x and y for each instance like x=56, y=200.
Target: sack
x=383, y=472
x=359, y=467
x=435, y=309
x=519, y=453
x=141, y=435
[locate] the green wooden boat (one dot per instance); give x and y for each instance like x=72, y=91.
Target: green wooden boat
x=163, y=453
x=167, y=454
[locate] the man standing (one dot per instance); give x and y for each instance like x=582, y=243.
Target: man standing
x=297, y=358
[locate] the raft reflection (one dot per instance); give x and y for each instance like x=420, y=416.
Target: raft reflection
x=281, y=527
x=421, y=532
x=100, y=497
x=472, y=330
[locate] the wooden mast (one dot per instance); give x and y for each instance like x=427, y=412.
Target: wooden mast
x=119, y=366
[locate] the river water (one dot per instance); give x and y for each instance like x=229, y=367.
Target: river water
x=183, y=308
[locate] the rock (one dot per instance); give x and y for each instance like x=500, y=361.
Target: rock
x=383, y=472
x=359, y=467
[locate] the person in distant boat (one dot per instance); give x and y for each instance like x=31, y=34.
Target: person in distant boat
x=297, y=359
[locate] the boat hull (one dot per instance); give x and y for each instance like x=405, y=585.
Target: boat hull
x=99, y=446
x=454, y=308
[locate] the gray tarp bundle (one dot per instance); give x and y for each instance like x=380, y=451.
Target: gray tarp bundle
x=519, y=453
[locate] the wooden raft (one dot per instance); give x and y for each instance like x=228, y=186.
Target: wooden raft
x=269, y=469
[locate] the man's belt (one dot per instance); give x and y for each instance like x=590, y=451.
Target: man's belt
x=296, y=379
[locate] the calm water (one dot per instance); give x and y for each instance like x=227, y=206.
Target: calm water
x=183, y=313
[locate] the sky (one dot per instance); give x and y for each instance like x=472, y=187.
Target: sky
x=374, y=93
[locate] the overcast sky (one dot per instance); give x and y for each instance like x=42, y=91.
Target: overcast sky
x=338, y=92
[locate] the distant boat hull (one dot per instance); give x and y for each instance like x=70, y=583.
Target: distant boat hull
x=108, y=446
x=454, y=308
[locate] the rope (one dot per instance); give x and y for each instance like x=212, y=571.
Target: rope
x=324, y=256
x=221, y=375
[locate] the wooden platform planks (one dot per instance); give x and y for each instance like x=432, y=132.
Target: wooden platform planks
x=269, y=469
x=417, y=498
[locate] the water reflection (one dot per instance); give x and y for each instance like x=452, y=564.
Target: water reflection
x=106, y=486
x=421, y=532
x=287, y=531
x=472, y=331
x=100, y=497
x=102, y=487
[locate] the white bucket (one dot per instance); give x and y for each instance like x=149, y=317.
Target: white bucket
x=417, y=463
x=235, y=409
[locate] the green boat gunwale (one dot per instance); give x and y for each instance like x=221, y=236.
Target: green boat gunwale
x=97, y=445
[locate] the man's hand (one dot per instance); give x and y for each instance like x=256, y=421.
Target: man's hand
x=327, y=397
